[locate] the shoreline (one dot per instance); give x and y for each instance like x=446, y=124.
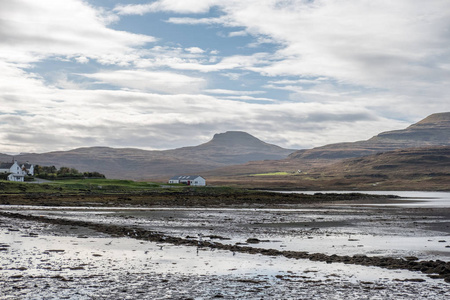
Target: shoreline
x=241, y=198
x=242, y=244
x=435, y=269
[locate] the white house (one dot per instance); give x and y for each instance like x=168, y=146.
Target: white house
x=14, y=169
x=194, y=180
x=17, y=172
x=28, y=169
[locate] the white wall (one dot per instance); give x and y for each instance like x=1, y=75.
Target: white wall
x=199, y=181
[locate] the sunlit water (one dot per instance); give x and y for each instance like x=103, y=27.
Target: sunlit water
x=96, y=258
x=69, y=255
x=410, y=198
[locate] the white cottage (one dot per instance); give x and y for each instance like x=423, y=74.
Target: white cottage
x=194, y=180
x=28, y=169
x=14, y=169
x=17, y=172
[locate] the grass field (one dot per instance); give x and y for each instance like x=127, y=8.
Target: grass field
x=105, y=186
x=274, y=174
x=77, y=185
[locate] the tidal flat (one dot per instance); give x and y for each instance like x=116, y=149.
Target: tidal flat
x=309, y=251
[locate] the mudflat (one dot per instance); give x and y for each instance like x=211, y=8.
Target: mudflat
x=260, y=246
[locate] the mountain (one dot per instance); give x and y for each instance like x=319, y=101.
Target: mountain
x=235, y=157
x=426, y=168
x=233, y=147
x=410, y=163
x=434, y=130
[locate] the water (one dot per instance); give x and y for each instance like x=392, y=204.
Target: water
x=65, y=262
x=410, y=198
x=55, y=264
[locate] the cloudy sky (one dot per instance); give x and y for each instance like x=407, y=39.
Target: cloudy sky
x=171, y=73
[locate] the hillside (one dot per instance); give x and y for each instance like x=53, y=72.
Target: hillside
x=224, y=149
x=434, y=130
x=232, y=147
x=235, y=157
x=425, y=168
x=412, y=168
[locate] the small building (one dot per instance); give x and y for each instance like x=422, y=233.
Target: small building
x=194, y=180
x=16, y=172
x=28, y=169
x=16, y=177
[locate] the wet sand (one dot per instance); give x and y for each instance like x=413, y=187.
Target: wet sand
x=313, y=252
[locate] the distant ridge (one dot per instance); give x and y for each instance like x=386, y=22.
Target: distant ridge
x=434, y=130
x=237, y=153
x=418, y=169
x=238, y=138
x=234, y=147
x=229, y=148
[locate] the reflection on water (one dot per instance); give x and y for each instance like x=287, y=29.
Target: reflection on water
x=421, y=199
x=99, y=255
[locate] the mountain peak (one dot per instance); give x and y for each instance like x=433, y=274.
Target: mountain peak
x=435, y=119
x=233, y=138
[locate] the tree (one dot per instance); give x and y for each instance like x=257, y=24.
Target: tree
x=63, y=171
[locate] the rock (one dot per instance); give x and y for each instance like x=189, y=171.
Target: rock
x=253, y=241
x=411, y=258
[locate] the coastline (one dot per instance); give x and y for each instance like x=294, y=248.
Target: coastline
x=271, y=244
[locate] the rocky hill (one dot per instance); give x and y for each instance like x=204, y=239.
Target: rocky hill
x=224, y=149
x=426, y=168
x=434, y=130
x=235, y=157
x=412, y=168
x=232, y=147
x=431, y=132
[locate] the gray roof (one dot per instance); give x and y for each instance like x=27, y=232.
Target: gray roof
x=185, y=177
x=6, y=165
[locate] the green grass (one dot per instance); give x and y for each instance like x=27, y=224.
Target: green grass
x=274, y=174
x=77, y=185
x=103, y=186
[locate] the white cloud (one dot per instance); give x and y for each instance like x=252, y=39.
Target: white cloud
x=250, y=99
x=33, y=30
x=397, y=46
x=185, y=6
x=35, y=117
x=232, y=92
x=165, y=82
x=238, y=33
x=195, y=50
x=377, y=44
x=82, y=59
x=202, y=21
x=239, y=62
x=352, y=68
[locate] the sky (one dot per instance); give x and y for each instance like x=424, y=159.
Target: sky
x=171, y=73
